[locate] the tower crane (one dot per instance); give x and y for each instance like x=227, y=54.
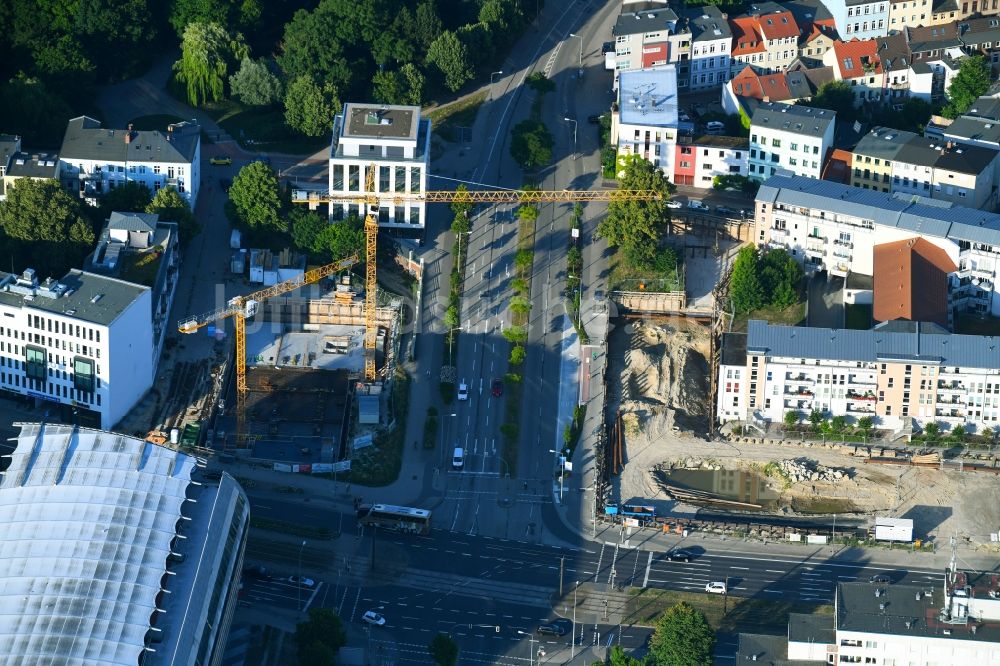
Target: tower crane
x=373, y=200
x=241, y=308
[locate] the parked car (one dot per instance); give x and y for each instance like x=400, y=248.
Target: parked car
x=463, y=391
x=683, y=117
x=715, y=127
x=258, y=572
x=716, y=587
x=301, y=581
x=458, y=458
x=879, y=579
x=221, y=161
x=680, y=555
x=594, y=119
x=559, y=627
x=373, y=618
x=697, y=204
x=724, y=210
x=674, y=203
x=497, y=387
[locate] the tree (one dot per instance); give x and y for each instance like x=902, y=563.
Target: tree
x=32, y=110
x=172, y=207
x=972, y=81
x=517, y=355
x=865, y=424
x=838, y=424
x=388, y=87
x=414, y=84
x=233, y=14
x=427, y=25
x=451, y=57
x=636, y=226
x=835, y=96
x=256, y=197
x=462, y=209
x=306, y=227
x=792, y=418
x=443, y=650
x=44, y=228
x=617, y=657
x=745, y=289
x=309, y=108
x=958, y=433
x=131, y=25
x=531, y=144
x=324, y=629
x=255, y=84
x=129, y=197
x=342, y=239
x=816, y=417
x=206, y=53
x=931, y=430
x=312, y=48
x=682, y=637
x=780, y=276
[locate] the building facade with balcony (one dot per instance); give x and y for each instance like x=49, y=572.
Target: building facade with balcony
x=94, y=160
x=394, y=141
x=833, y=227
x=895, y=372
x=784, y=136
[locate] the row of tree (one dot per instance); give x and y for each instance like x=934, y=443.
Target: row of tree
x=44, y=227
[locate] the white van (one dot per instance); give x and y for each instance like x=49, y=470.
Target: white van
x=715, y=127
x=458, y=458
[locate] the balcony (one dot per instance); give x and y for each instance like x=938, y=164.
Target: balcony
x=843, y=243
x=949, y=413
x=954, y=387
x=861, y=380
x=800, y=378
x=858, y=397
x=842, y=254
x=859, y=409
x=779, y=234
x=818, y=249
x=801, y=393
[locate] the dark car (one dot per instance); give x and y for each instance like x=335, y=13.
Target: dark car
x=680, y=555
x=724, y=210
x=595, y=119
x=879, y=578
x=257, y=572
x=559, y=627
x=497, y=387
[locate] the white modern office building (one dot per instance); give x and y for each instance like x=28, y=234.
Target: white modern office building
x=394, y=141
x=116, y=551
x=82, y=344
x=785, y=136
x=94, y=160
x=646, y=122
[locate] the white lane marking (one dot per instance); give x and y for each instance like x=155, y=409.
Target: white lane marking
x=649, y=562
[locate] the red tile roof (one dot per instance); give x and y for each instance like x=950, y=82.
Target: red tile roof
x=747, y=37
x=778, y=25
x=820, y=28
x=911, y=281
x=838, y=166
x=765, y=87
x=853, y=55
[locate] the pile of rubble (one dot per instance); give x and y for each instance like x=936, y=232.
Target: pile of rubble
x=800, y=470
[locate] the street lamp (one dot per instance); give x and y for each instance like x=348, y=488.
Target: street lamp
x=451, y=359
x=572, y=650
x=562, y=470
x=298, y=587
x=531, y=646
x=575, y=149
x=500, y=71
x=581, y=49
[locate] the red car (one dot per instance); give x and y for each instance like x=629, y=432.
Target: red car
x=497, y=388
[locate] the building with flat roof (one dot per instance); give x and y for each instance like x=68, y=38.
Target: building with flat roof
x=646, y=122
x=83, y=343
x=833, y=227
x=896, y=373
x=115, y=551
x=94, y=160
x=785, y=136
x=395, y=141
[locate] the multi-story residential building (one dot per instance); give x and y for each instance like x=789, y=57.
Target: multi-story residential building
x=711, y=40
x=929, y=79
x=94, y=160
x=897, y=371
x=646, y=121
x=873, y=157
x=909, y=13
x=784, y=136
x=857, y=64
x=116, y=551
x=943, y=11
x=981, y=36
x=83, y=344
x=979, y=126
x=139, y=248
x=766, y=38
x=749, y=48
x=700, y=159
x=899, y=623
x=932, y=42
x=833, y=227
x=17, y=163
x=894, y=54
x=393, y=140
x=787, y=87
x=814, y=44
x=642, y=39
x=860, y=19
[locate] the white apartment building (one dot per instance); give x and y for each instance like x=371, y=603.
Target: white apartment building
x=783, y=136
x=834, y=227
x=863, y=19
x=700, y=159
x=646, y=122
x=711, y=40
x=651, y=37
x=94, y=160
x=394, y=141
x=953, y=622
x=83, y=343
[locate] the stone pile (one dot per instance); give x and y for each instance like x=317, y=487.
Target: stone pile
x=800, y=470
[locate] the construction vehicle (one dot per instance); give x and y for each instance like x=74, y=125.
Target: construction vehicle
x=373, y=200
x=241, y=308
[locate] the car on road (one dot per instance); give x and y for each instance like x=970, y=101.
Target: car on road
x=724, y=210
x=221, y=161
x=674, y=203
x=497, y=387
x=697, y=204
x=594, y=119
x=301, y=581
x=716, y=587
x=373, y=618
x=680, y=555
x=879, y=579
x=257, y=572
x=463, y=391
x=458, y=458
x=559, y=627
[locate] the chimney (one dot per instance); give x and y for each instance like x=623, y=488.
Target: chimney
x=128, y=134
